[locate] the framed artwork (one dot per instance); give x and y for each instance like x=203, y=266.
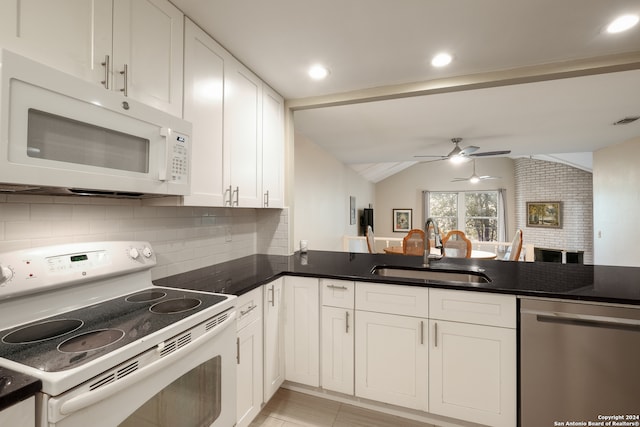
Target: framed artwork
x=402, y=220
x=544, y=214
x=352, y=210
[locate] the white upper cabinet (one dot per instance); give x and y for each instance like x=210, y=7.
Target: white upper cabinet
x=204, y=62
x=272, y=148
x=242, y=135
x=238, y=129
x=95, y=39
x=148, y=43
x=71, y=35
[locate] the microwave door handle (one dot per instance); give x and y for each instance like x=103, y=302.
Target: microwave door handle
x=162, y=170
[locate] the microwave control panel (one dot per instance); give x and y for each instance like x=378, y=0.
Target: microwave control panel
x=179, y=159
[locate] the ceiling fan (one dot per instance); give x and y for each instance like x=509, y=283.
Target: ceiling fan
x=459, y=155
x=474, y=178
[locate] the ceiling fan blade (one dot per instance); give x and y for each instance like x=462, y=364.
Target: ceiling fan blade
x=460, y=179
x=482, y=178
x=490, y=153
x=429, y=155
x=468, y=150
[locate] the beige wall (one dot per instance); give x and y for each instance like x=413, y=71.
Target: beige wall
x=616, y=204
x=404, y=189
x=322, y=187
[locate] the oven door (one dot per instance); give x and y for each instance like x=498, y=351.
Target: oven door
x=192, y=386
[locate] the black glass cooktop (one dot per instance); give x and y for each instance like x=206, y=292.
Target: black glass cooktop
x=76, y=337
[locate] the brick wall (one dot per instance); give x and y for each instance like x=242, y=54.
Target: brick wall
x=542, y=181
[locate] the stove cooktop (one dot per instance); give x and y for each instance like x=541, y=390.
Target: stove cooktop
x=71, y=339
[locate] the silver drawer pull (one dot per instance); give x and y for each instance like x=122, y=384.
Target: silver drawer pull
x=248, y=310
x=337, y=287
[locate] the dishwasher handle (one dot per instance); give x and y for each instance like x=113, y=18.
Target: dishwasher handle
x=591, y=323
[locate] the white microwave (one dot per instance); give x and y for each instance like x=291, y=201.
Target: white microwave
x=63, y=135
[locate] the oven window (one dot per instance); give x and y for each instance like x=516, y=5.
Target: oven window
x=58, y=138
x=194, y=399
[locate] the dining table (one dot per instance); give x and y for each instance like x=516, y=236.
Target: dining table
x=475, y=253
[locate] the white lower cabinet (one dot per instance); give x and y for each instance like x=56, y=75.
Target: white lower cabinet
x=273, y=337
x=337, y=349
x=391, y=359
x=472, y=373
x=302, y=330
x=21, y=414
x=249, y=357
x=337, y=335
x=472, y=358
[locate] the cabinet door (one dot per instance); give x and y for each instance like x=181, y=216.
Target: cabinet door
x=71, y=35
x=204, y=61
x=472, y=373
x=21, y=414
x=302, y=330
x=242, y=134
x=273, y=338
x=272, y=149
x=337, y=349
x=392, y=359
x=148, y=37
x=249, y=373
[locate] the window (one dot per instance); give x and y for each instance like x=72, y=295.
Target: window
x=476, y=213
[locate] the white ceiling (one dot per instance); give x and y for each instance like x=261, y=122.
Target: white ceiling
x=380, y=48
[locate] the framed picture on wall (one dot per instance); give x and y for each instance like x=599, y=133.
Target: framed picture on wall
x=544, y=214
x=402, y=220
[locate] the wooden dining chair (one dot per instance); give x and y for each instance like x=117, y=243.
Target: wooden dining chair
x=371, y=242
x=456, y=245
x=513, y=252
x=413, y=242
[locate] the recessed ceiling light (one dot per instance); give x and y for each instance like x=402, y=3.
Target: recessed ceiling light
x=441, y=59
x=318, y=72
x=622, y=23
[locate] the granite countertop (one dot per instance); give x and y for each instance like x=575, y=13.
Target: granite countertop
x=541, y=279
x=15, y=387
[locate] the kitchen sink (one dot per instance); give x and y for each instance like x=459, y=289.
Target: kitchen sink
x=428, y=274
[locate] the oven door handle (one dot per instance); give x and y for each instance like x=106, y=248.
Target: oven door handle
x=87, y=399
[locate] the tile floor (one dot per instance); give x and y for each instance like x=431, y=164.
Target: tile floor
x=293, y=409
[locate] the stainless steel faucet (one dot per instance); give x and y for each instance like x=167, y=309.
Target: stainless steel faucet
x=436, y=239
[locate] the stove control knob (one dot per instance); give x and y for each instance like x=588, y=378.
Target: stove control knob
x=146, y=251
x=133, y=253
x=5, y=274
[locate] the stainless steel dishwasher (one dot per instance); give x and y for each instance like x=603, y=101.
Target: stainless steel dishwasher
x=579, y=362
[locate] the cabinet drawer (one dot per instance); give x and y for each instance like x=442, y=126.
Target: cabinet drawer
x=393, y=299
x=473, y=307
x=249, y=307
x=337, y=293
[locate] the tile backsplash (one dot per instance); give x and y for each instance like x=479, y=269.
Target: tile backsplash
x=184, y=238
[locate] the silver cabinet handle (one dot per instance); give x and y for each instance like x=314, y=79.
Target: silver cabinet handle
x=347, y=322
x=422, y=332
x=248, y=310
x=266, y=199
x=125, y=73
x=337, y=287
x=238, y=350
x=107, y=66
x=228, y=191
x=237, y=193
x=273, y=296
x=435, y=332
